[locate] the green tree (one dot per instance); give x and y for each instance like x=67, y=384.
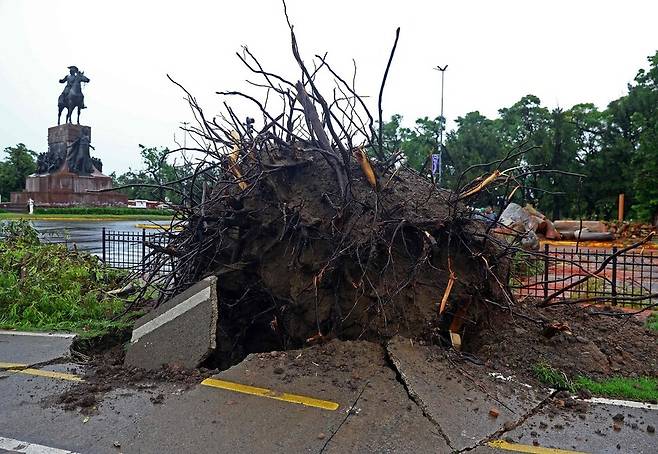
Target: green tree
x=476, y=140
x=416, y=144
x=158, y=169
x=19, y=162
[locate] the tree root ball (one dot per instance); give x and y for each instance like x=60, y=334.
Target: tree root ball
x=299, y=264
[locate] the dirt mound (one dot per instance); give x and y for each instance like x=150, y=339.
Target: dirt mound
x=585, y=344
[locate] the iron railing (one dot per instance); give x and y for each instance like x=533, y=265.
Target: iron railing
x=131, y=250
x=624, y=279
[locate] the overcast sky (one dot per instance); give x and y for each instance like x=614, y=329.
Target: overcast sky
x=564, y=51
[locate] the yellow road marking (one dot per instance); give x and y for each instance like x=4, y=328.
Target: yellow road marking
x=12, y=366
x=264, y=392
x=518, y=447
x=23, y=369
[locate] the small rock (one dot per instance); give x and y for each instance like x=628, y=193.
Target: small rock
x=157, y=399
x=562, y=394
x=116, y=444
x=321, y=436
x=584, y=393
x=494, y=413
x=582, y=339
x=509, y=425
x=520, y=331
x=278, y=370
x=651, y=429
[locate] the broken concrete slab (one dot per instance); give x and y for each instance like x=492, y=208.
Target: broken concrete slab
x=32, y=347
x=374, y=414
x=181, y=332
x=466, y=403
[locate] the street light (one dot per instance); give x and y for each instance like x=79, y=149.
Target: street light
x=437, y=164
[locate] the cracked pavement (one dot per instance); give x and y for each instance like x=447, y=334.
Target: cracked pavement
x=403, y=397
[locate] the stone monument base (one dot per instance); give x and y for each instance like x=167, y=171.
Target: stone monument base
x=67, y=175
x=67, y=189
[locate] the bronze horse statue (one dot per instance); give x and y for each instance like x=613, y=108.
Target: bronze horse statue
x=72, y=96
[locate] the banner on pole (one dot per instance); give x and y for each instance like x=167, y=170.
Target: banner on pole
x=436, y=163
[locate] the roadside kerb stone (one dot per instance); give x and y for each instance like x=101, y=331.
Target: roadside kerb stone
x=181, y=332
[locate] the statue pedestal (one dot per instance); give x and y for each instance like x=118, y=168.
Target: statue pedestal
x=62, y=187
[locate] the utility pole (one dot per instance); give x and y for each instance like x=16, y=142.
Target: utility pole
x=437, y=163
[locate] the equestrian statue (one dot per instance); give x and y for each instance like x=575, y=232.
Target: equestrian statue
x=72, y=96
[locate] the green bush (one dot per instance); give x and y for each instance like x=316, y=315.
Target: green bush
x=48, y=287
x=105, y=210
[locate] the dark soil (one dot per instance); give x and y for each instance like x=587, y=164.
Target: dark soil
x=105, y=372
x=295, y=265
x=595, y=346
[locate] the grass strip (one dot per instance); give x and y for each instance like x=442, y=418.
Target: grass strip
x=640, y=389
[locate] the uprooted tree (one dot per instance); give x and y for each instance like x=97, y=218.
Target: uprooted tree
x=315, y=230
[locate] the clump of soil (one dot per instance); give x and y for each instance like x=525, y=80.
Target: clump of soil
x=105, y=372
x=585, y=344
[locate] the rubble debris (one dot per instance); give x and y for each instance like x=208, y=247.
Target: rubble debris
x=508, y=351
x=180, y=332
x=629, y=230
x=527, y=220
x=584, y=234
x=568, y=225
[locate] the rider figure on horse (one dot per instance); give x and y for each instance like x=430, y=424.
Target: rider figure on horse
x=72, y=96
x=69, y=79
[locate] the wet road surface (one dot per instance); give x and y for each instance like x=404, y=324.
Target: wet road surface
x=381, y=407
x=86, y=235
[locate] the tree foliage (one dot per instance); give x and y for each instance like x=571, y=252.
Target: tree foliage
x=616, y=151
x=18, y=163
x=158, y=168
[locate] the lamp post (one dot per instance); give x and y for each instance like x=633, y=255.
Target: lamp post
x=437, y=163
x=185, y=124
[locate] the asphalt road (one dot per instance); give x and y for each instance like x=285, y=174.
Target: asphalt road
x=86, y=235
x=287, y=402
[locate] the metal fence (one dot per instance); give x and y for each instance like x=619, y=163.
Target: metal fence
x=623, y=278
x=130, y=250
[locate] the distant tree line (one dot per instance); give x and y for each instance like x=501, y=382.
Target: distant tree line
x=149, y=182
x=616, y=149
